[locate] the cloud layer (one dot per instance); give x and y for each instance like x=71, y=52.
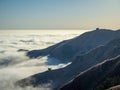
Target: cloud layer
x=15, y=65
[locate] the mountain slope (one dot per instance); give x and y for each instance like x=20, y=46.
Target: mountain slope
x=115, y=88
x=90, y=78
x=59, y=77
x=66, y=50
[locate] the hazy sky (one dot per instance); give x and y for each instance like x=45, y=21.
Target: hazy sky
x=59, y=14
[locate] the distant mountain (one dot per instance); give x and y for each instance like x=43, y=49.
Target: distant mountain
x=81, y=63
x=107, y=72
x=66, y=50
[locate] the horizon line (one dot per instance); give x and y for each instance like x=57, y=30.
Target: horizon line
x=54, y=29
x=44, y=29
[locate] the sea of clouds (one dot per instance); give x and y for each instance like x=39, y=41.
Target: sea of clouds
x=16, y=65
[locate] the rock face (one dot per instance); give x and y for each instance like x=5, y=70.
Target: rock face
x=59, y=77
x=90, y=78
x=66, y=50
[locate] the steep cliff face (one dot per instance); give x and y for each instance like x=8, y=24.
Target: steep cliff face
x=81, y=63
x=91, y=77
x=66, y=50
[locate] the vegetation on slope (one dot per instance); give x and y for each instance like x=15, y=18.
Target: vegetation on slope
x=108, y=82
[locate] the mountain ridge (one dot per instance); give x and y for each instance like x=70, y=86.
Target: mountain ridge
x=91, y=77
x=66, y=50
x=82, y=63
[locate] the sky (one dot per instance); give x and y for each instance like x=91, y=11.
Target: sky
x=59, y=14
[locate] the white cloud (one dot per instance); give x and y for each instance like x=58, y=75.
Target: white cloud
x=15, y=65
